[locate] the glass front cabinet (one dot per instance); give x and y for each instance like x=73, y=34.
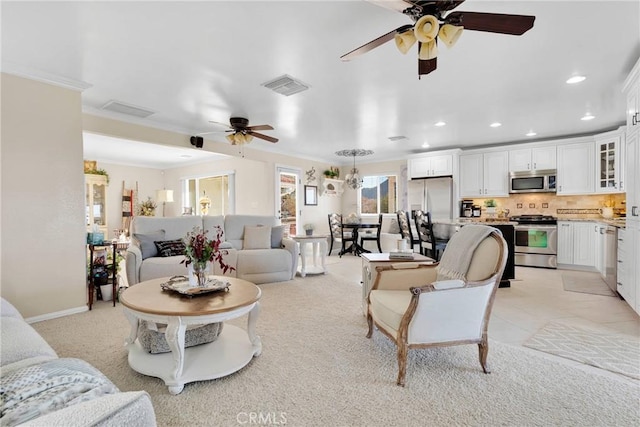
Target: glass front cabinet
x=95, y=188
x=609, y=159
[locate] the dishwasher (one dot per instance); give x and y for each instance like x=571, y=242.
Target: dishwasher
x=611, y=257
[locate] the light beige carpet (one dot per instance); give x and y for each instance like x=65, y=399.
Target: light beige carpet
x=318, y=369
x=585, y=282
x=613, y=352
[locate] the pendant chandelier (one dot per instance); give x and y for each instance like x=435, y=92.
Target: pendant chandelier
x=352, y=179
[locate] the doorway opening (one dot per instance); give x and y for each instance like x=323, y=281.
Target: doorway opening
x=287, y=203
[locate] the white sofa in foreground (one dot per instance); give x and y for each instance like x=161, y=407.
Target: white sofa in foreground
x=254, y=246
x=40, y=389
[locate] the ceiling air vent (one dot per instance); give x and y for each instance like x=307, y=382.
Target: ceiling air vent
x=286, y=85
x=397, y=138
x=132, y=110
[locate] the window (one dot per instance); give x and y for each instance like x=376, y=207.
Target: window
x=379, y=194
x=210, y=195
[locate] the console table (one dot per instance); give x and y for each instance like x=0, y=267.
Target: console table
x=109, y=267
x=371, y=261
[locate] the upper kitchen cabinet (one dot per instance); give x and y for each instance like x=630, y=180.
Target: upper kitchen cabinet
x=609, y=162
x=484, y=174
x=576, y=168
x=528, y=159
x=432, y=166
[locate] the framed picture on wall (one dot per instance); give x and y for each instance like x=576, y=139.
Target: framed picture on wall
x=310, y=195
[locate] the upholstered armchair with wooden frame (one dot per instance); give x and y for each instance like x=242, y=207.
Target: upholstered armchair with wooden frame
x=415, y=308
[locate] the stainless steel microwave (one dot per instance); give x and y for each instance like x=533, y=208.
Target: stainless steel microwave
x=538, y=181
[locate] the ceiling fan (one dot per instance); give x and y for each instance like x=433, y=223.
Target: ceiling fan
x=241, y=133
x=432, y=22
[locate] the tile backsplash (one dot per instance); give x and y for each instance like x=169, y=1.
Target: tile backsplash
x=549, y=204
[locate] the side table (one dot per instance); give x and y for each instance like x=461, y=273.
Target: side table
x=110, y=268
x=319, y=246
x=369, y=272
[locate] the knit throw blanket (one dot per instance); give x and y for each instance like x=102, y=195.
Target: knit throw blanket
x=457, y=257
x=36, y=390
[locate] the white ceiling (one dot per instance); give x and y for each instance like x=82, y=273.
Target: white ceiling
x=193, y=62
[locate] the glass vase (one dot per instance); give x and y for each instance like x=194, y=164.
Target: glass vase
x=198, y=274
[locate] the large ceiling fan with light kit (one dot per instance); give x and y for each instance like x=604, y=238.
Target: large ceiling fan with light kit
x=433, y=21
x=240, y=133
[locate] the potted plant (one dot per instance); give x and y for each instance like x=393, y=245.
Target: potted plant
x=308, y=229
x=490, y=204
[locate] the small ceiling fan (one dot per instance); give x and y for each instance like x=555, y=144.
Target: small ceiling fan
x=241, y=133
x=432, y=22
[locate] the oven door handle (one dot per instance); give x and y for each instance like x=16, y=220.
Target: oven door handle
x=535, y=227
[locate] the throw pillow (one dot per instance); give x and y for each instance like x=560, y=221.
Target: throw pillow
x=277, y=234
x=146, y=242
x=257, y=237
x=170, y=247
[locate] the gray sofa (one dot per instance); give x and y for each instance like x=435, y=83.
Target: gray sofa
x=40, y=389
x=263, y=262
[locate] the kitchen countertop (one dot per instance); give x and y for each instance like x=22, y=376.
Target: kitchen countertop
x=616, y=222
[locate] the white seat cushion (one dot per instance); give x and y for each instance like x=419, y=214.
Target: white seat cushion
x=388, y=307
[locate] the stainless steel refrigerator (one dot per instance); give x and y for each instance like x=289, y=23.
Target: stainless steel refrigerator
x=433, y=195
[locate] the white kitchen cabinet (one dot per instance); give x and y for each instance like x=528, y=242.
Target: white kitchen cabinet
x=576, y=169
x=565, y=243
x=537, y=158
x=484, y=174
x=577, y=244
x=630, y=285
x=609, y=158
x=431, y=166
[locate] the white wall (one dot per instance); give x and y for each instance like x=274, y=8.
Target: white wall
x=43, y=233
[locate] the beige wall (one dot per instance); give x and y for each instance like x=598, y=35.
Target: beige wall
x=43, y=235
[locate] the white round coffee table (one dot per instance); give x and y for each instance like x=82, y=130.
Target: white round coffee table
x=233, y=349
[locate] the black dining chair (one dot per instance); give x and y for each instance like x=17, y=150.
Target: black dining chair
x=429, y=245
x=337, y=233
x=368, y=235
x=405, y=228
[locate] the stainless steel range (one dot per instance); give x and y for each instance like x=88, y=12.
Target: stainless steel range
x=536, y=239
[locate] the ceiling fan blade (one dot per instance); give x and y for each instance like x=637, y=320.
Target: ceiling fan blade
x=219, y=123
x=260, y=127
x=425, y=66
x=263, y=136
x=397, y=5
x=492, y=22
x=374, y=43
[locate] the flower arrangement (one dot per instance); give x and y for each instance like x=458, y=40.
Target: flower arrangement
x=199, y=249
x=147, y=208
x=490, y=203
x=308, y=227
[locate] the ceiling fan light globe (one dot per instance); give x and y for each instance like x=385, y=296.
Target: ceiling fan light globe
x=405, y=40
x=428, y=50
x=232, y=138
x=449, y=34
x=248, y=138
x=426, y=28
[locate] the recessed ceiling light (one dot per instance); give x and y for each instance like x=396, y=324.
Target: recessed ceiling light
x=576, y=79
x=495, y=125
x=531, y=133
x=588, y=116
x=440, y=123
x=425, y=145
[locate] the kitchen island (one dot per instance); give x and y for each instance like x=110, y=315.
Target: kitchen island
x=444, y=229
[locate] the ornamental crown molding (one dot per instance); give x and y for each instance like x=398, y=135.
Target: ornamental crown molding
x=43, y=76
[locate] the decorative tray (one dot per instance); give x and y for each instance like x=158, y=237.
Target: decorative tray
x=180, y=284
